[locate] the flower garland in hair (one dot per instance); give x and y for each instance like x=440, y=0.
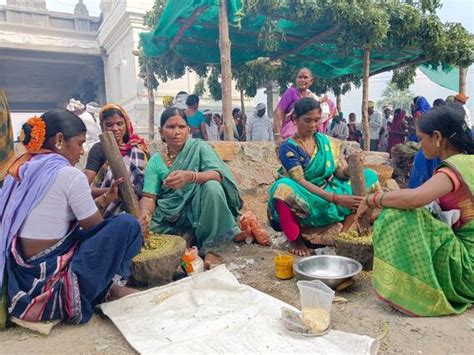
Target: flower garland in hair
x=33, y=134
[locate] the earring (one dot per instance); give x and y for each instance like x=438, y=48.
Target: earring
x=438, y=145
x=58, y=146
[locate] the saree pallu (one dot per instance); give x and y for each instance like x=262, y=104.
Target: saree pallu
x=207, y=211
x=69, y=279
x=421, y=266
x=310, y=209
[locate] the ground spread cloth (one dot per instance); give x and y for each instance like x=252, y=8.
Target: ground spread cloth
x=212, y=312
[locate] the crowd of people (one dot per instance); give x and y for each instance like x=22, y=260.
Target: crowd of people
x=67, y=245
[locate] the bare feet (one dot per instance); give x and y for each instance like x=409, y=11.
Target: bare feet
x=117, y=291
x=211, y=260
x=298, y=248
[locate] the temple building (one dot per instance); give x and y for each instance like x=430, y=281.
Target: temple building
x=48, y=57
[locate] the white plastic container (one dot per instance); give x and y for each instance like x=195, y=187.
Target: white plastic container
x=315, y=294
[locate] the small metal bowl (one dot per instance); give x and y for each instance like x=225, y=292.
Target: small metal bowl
x=330, y=269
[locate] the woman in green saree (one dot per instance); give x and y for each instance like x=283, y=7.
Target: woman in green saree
x=189, y=190
x=314, y=190
x=424, y=261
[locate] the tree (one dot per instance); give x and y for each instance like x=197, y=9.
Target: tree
x=359, y=27
x=200, y=87
x=397, y=97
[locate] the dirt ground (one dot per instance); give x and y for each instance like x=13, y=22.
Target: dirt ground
x=253, y=264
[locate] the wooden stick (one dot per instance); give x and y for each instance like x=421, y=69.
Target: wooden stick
x=117, y=165
x=314, y=39
x=186, y=24
x=356, y=171
x=365, y=99
x=226, y=71
x=355, y=164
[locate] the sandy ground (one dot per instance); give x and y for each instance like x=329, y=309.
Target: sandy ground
x=361, y=314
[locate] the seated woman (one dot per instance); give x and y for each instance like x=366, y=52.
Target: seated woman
x=316, y=191
x=189, y=190
x=423, y=266
x=114, y=118
x=62, y=257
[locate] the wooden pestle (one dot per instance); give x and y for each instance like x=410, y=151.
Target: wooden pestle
x=356, y=171
x=117, y=165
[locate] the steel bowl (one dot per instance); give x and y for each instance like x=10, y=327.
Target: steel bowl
x=330, y=269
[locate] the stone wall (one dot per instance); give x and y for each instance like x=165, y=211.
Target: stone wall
x=255, y=164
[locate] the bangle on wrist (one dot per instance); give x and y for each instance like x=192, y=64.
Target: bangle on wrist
x=367, y=197
x=374, y=198
x=381, y=198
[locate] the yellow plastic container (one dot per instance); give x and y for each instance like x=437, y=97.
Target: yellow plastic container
x=283, y=266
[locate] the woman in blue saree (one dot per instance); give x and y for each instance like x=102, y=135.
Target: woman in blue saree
x=60, y=256
x=315, y=190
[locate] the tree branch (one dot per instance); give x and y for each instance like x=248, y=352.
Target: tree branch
x=186, y=24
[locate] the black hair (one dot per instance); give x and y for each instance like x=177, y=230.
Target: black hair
x=306, y=105
x=439, y=102
x=181, y=93
x=170, y=112
x=234, y=111
x=450, y=122
x=192, y=100
x=110, y=112
x=56, y=121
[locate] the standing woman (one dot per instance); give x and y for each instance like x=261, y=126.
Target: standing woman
x=424, y=265
x=114, y=118
x=189, y=190
x=283, y=123
x=61, y=257
x=396, y=130
x=315, y=190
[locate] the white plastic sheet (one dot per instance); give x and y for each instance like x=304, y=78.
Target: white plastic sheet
x=212, y=313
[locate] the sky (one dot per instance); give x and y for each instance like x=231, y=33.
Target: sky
x=452, y=11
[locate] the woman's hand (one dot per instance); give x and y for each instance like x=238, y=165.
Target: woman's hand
x=112, y=193
x=144, y=220
x=363, y=208
x=347, y=201
x=177, y=179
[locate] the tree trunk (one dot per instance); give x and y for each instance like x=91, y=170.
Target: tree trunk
x=365, y=99
x=462, y=80
x=226, y=72
x=151, y=102
x=242, y=102
x=338, y=103
x=117, y=165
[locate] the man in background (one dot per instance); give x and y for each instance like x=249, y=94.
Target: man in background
x=260, y=127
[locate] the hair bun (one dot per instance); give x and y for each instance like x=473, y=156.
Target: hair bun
x=25, y=133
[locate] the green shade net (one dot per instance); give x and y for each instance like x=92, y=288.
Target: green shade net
x=448, y=79
x=311, y=46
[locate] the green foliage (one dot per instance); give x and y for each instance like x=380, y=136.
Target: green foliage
x=397, y=97
x=214, y=85
x=200, y=88
x=360, y=23
x=403, y=77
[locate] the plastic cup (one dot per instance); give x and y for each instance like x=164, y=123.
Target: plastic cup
x=283, y=266
x=315, y=294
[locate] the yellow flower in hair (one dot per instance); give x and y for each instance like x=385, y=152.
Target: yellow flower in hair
x=37, y=135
